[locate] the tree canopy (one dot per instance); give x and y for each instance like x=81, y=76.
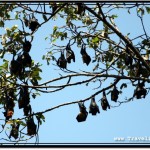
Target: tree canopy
x=86, y=50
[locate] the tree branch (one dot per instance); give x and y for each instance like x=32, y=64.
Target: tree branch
x=121, y=36
x=74, y=102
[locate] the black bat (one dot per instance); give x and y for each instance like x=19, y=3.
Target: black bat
x=26, y=22
x=80, y=9
x=8, y=113
x=62, y=62
x=15, y=67
x=104, y=102
x=85, y=57
x=33, y=24
x=83, y=113
x=26, y=59
x=128, y=58
x=114, y=94
x=31, y=126
x=26, y=46
x=9, y=105
x=24, y=97
x=27, y=110
x=140, y=91
x=93, y=109
x=69, y=54
x=14, y=131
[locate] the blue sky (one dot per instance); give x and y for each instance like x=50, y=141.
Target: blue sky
x=129, y=120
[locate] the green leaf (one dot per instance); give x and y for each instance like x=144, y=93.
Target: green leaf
x=88, y=21
x=7, y=15
x=34, y=81
x=95, y=40
x=1, y=23
x=34, y=95
x=65, y=34
x=40, y=117
x=46, y=38
x=114, y=16
x=141, y=10
x=43, y=57
x=47, y=60
x=5, y=65
x=119, y=64
x=44, y=17
x=124, y=85
x=55, y=29
x=129, y=11
x=2, y=52
x=16, y=17
x=14, y=27
x=79, y=41
x=21, y=122
x=8, y=31
x=148, y=10
x=54, y=40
